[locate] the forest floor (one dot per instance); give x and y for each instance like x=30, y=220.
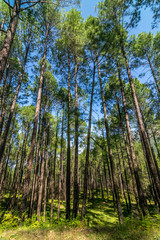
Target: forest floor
x=101, y=224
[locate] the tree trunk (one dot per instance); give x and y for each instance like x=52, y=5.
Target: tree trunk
x=39, y=204
x=112, y=164
x=68, y=185
x=155, y=141
x=141, y=197
x=54, y=167
x=46, y=176
x=153, y=73
x=5, y=50
x=5, y=134
x=76, y=168
x=140, y=124
x=34, y=133
x=36, y=166
x=88, y=149
x=60, y=171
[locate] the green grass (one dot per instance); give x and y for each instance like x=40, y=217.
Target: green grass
x=101, y=224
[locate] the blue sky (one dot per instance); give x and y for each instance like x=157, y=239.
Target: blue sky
x=145, y=25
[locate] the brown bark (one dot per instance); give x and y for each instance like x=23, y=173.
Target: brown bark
x=60, y=170
x=5, y=134
x=126, y=179
x=39, y=203
x=54, y=166
x=85, y=188
x=27, y=181
x=141, y=197
x=5, y=49
x=76, y=168
x=153, y=73
x=112, y=164
x=4, y=105
x=150, y=144
x=129, y=156
x=68, y=179
x=155, y=141
x=36, y=166
x=140, y=124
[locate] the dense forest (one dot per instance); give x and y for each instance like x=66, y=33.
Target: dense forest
x=79, y=112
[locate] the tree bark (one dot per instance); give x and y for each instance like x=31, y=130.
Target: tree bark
x=39, y=203
x=140, y=124
x=6, y=47
x=76, y=167
x=27, y=181
x=54, y=166
x=60, y=170
x=153, y=73
x=68, y=185
x=88, y=149
x=141, y=197
x=5, y=134
x=112, y=164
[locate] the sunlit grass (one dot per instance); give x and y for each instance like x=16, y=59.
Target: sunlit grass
x=101, y=224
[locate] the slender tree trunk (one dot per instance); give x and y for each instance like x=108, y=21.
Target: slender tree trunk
x=4, y=85
x=121, y=181
x=68, y=185
x=141, y=126
x=4, y=106
x=105, y=176
x=46, y=175
x=45, y=187
x=150, y=144
x=35, y=176
x=129, y=153
x=60, y=171
x=40, y=193
x=112, y=164
x=126, y=179
x=76, y=168
x=5, y=134
x=155, y=141
x=5, y=49
x=2, y=24
x=27, y=181
x=153, y=73
x=88, y=149
x=54, y=167
x=141, y=197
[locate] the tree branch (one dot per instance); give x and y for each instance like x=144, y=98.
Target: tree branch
x=1, y=30
x=7, y=4
x=22, y=9
x=97, y=143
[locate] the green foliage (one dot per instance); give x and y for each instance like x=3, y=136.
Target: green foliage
x=10, y=221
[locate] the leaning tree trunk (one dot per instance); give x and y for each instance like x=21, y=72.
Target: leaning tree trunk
x=112, y=164
x=5, y=134
x=153, y=73
x=88, y=149
x=151, y=165
x=27, y=181
x=150, y=144
x=6, y=47
x=155, y=141
x=141, y=197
